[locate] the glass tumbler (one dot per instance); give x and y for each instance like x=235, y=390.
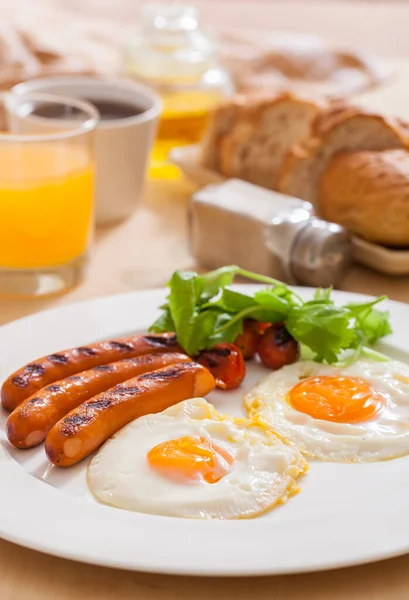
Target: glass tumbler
x=46, y=192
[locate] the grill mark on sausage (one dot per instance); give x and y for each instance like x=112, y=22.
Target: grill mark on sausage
x=19, y=381
x=158, y=340
x=35, y=400
x=25, y=410
x=28, y=373
x=70, y=425
x=58, y=358
x=145, y=358
x=76, y=419
x=53, y=388
x=122, y=390
x=103, y=402
x=74, y=378
x=127, y=390
x=171, y=373
x=113, y=397
x=106, y=368
x=86, y=351
x=121, y=346
x=35, y=369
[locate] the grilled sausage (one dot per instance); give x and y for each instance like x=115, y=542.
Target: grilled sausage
x=30, y=422
x=85, y=428
x=27, y=381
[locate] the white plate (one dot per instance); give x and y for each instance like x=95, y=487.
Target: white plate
x=344, y=515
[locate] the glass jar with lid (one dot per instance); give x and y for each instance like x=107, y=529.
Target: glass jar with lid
x=172, y=54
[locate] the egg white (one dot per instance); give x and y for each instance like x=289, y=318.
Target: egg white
x=383, y=437
x=263, y=473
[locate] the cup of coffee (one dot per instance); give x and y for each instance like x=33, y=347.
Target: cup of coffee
x=129, y=114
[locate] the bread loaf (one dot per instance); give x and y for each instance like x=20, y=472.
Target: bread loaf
x=341, y=128
x=368, y=193
x=249, y=136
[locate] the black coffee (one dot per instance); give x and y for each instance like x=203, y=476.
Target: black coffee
x=109, y=110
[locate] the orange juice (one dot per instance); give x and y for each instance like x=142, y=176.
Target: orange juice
x=46, y=204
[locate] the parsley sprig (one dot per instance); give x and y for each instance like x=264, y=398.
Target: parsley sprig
x=204, y=310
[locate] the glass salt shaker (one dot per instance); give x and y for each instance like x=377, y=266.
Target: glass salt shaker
x=266, y=232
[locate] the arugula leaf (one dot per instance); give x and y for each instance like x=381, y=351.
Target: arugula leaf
x=203, y=310
x=232, y=301
x=202, y=329
x=371, y=322
x=322, y=327
x=218, y=279
x=356, y=308
x=185, y=290
x=323, y=293
x=270, y=309
x=277, y=301
x=374, y=325
x=163, y=323
x=226, y=330
x=256, y=312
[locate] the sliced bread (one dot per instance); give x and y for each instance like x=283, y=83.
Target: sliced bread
x=341, y=128
x=249, y=136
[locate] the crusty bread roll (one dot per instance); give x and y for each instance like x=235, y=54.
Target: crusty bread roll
x=368, y=193
x=342, y=128
x=302, y=62
x=249, y=136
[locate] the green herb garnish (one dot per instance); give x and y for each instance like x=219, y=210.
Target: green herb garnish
x=204, y=310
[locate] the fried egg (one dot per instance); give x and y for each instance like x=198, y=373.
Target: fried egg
x=190, y=461
x=359, y=413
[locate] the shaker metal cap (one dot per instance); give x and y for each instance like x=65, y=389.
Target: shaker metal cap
x=321, y=253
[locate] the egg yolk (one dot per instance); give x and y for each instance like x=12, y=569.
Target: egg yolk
x=339, y=399
x=189, y=459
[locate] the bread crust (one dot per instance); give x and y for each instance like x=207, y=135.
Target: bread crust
x=340, y=128
x=368, y=193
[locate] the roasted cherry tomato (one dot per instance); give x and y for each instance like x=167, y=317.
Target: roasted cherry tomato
x=248, y=340
x=277, y=347
x=226, y=363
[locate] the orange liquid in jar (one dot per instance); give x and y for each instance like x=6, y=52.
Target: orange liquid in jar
x=46, y=204
x=183, y=121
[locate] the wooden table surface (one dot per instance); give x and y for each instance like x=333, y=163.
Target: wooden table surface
x=142, y=253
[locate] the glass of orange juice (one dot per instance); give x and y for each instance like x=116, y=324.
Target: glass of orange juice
x=46, y=192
